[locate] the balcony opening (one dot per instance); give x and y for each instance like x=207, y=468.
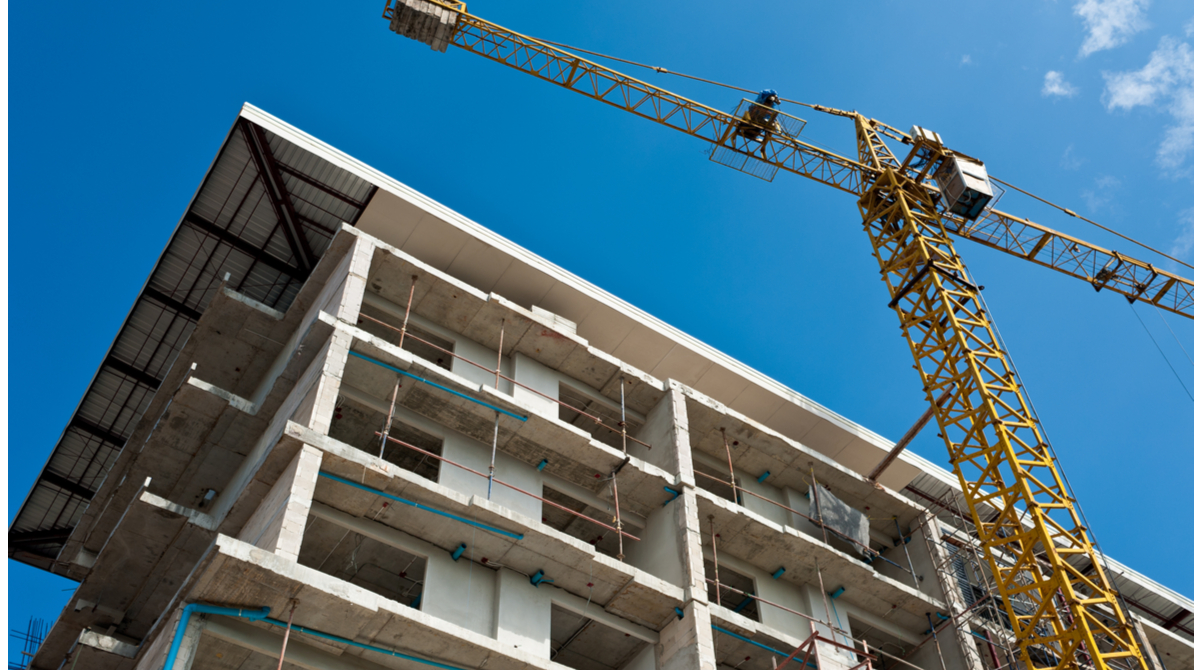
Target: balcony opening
x=878, y=640
x=716, y=483
x=585, y=644
x=609, y=432
x=357, y=425
x=736, y=589
x=382, y=569
x=603, y=539
x=418, y=341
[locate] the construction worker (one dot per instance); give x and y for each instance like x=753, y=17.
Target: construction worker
x=759, y=120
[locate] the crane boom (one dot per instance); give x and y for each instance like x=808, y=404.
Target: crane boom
x=1102, y=268
x=1064, y=611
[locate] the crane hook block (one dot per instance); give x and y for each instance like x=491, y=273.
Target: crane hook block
x=423, y=21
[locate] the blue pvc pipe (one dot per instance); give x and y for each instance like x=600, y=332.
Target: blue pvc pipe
x=482, y=526
x=760, y=645
x=369, y=647
x=436, y=385
x=253, y=615
x=674, y=495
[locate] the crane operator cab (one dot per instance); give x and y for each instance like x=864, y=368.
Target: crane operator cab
x=962, y=180
x=760, y=117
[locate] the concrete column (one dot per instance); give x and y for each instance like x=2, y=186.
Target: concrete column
x=191, y=640
x=931, y=559
x=687, y=643
x=691, y=545
x=278, y=523
x=664, y=426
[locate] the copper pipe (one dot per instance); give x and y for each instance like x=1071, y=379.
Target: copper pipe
x=408, y=308
x=624, y=432
x=500, y=354
x=824, y=596
x=492, y=463
x=518, y=490
x=286, y=632
x=716, y=563
x=617, y=509
x=387, y=430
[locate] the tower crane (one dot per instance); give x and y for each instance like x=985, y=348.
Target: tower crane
x=1063, y=609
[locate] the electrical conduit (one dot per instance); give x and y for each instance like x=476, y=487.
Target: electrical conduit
x=186, y=616
x=261, y=615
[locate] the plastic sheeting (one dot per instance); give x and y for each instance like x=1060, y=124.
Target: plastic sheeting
x=837, y=515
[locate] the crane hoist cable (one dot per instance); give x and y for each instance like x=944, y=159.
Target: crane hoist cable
x=838, y=112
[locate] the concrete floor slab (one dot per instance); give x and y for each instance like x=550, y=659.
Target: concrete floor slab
x=243, y=576
x=391, y=273
x=573, y=564
x=761, y=449
x=571, y=453
x=768, y=546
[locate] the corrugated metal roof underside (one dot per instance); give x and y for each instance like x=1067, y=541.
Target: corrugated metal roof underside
x=232, y=227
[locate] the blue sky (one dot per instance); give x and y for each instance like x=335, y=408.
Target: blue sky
x=118, y=109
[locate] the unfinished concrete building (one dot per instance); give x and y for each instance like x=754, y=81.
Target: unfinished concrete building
x=344, y=421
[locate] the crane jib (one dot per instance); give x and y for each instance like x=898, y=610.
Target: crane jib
x=1061, y=605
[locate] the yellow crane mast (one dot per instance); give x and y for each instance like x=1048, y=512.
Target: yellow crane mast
x=1064, y=611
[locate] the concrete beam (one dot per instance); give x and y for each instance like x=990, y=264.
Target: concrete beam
x=269, y=643
x=108, y=643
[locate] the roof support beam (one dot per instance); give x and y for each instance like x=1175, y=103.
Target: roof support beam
x=324, y=188
x=92, y=429
x=39, y=536
x=74, y=488
x=244, y=246
x=139, y=376
x=268, y=169
x=171, y=303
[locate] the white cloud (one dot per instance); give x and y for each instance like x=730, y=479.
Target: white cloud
x=1109, y=23
x=1100, y=197
x=966, y=60
x=1183, y=245
x=1056, y=85
x=1069, y=160
x=1176, y=147
x=1167, y=77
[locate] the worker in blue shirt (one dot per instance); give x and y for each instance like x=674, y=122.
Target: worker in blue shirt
x=759, y=120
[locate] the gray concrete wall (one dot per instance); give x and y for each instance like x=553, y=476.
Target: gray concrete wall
x=476, y=455
x=522, y=614
x=278, y=523
x=660, y=550
x=460, y=592
x=663, y=423
x=687, y=643
x=322, y=378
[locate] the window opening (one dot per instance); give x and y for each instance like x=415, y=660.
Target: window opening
x=603, y=539
x=610, y=413
x=380, y=568
x=417, y=341
x=585, y=644
x=878, y=639
x=717, y=482
x=736, y=590
x=357, y=425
